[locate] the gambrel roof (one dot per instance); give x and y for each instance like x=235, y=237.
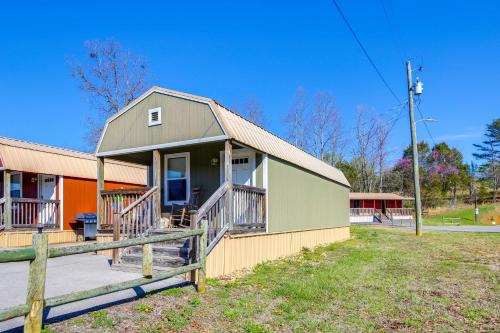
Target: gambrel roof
x=247, y=133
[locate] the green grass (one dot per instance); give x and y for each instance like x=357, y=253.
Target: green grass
x=466, y=216
x=144, y=307
x=100, y=319
x=382, y=280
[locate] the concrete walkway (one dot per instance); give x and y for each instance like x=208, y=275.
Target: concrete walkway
x=69, y=274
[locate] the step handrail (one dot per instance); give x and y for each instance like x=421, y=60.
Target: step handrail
x=219, y=194
x=135, y=203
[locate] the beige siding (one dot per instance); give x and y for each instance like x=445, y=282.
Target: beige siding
x=23, y=238
x=182, y=120
x=243, y=252
x=299, y=199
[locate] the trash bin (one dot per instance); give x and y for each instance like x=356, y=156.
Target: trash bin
x=89, y=221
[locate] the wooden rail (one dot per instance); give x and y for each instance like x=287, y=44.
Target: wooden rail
x=249, y=211
x=213, y=211
x=137, y=219
x=400, y=211
x=114, y=201
x=39, y=253
x=27, y=213
x=249, y=205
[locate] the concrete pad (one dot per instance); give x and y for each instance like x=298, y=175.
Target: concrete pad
x=66, y=275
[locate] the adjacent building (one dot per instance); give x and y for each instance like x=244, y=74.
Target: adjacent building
x=50, y=186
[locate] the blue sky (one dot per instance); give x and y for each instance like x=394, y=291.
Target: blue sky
x=232, y=50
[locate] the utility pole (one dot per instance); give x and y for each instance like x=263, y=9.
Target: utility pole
x=474, y=187
x=416, y=181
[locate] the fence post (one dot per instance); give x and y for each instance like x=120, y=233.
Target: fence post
x=36, y=284
x=147, y=260
x=192, y=253
x=203, y=257
x=116, y=236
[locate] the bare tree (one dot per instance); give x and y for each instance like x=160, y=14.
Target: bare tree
x=295, y=120
x=364, y=147
x=325, y=128
x=381, y=135
x=112, y=78
x=251, y=110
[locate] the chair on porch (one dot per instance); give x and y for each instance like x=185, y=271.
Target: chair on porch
x=179, y=214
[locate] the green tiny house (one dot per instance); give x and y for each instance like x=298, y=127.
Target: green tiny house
x=217, y=166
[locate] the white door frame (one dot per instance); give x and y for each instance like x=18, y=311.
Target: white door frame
x=240, y=152
x=40, y=191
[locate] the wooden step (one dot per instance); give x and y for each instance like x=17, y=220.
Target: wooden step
x=162, y=261
x=168, y=250
x=138, y=269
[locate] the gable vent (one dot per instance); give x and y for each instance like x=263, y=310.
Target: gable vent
x=154, y=116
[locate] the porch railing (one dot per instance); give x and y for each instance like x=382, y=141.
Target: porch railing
x=214, y=212
x=114, y=201
x=362, y=211
x=27, y=213
x=400, y=211
x=137, y=219
x=248, y=211
x=249, y=206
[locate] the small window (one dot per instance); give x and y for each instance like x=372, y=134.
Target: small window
x=15, y=185
x=154, y=116
x=240, y=160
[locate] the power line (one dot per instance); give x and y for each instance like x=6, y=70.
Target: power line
x=394, y=32
x=344, y=18
x=425, y=124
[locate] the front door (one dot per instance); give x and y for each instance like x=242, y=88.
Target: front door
x=242, y=170
x=47, y=213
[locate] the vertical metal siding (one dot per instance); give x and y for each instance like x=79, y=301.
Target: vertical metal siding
x=302, y=200
x=181, y=120
x=243, y=252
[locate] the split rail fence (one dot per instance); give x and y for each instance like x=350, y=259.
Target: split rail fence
x=39, y=253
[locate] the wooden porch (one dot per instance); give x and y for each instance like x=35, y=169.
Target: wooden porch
x=134, y=213
x=390, y=215
x=26, y=213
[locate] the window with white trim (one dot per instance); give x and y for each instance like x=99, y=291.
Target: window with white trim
x=154, y=116
x=177, y=178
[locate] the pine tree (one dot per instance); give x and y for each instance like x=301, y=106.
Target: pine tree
x=488, y=152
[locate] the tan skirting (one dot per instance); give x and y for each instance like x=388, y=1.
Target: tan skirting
x=23, y=238
x=241, y=252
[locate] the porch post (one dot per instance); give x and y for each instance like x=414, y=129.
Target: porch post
x=228, y=177
x=100, y=187
x=157, y=182
x=8, y=202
